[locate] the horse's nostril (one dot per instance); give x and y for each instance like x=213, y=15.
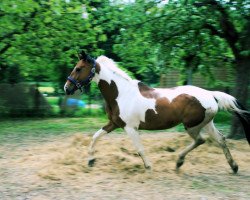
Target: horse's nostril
x=67, y=92
x=66, y=89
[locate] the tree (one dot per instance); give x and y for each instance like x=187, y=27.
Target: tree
x=41, y=37
x=200, y=35
x=233, y=25
x=193, y=36
x=134, y=45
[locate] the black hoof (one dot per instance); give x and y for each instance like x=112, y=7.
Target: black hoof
x=235, y=169
x=91, y=162
x=179, y=164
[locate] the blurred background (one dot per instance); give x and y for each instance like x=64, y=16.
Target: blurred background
x=162, y=43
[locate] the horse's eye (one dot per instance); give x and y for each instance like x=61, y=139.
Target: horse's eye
x=78, y=69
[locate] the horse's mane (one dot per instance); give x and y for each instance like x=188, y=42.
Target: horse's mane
x=110, y=64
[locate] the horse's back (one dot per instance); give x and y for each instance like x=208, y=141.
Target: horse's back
x=205, y=97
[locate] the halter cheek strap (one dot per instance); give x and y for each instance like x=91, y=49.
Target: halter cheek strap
x=85, y=82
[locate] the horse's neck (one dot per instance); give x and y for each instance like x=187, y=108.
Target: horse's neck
x=111, y=84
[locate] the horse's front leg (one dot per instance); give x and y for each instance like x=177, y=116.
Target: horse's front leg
x=106, y=129
x=134, y=135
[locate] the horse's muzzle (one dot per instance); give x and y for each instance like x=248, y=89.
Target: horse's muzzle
x=68, y=90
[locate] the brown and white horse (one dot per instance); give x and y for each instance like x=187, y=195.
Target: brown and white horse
x=132, y=105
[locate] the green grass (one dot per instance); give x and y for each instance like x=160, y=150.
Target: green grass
x=50, y=126
x=19, y=129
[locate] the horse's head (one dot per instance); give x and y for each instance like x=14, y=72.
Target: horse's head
x=81, y=75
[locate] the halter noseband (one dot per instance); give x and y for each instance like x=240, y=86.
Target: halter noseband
x=85, y=82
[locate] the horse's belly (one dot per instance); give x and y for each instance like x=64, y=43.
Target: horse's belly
x=159, y=121
x=183, y=109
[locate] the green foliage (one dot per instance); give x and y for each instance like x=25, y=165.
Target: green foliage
x=39, y=39
x=223, y=117
x=179, y=35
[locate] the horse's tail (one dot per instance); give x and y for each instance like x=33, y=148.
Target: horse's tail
x=228, y=102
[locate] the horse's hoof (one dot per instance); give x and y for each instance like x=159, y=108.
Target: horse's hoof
x=235, y=169
x=91, y=162
x=148, y=168
x=179, y=164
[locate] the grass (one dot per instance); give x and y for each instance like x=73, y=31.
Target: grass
x=18, y=129
x=53, y=125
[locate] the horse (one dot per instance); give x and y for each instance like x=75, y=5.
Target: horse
x=133, y=106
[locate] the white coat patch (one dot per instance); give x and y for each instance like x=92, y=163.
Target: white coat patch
x=205, y=97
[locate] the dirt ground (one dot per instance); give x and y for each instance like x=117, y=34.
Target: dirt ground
x=56, y=169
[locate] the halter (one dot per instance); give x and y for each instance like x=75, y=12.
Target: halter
x=85, y=82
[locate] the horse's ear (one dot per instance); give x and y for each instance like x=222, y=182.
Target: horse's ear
x=82, y=55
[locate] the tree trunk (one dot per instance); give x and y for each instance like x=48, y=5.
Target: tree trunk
x=241, y=93
x=190, y=76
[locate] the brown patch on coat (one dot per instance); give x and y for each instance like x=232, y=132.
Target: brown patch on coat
x=97, y=68
x=147, y=91
x=184, y=109
x=110, y=93
x=109, y=127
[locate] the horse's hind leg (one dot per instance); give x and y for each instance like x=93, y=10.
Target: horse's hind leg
x=106, y=129
x=198, y=140
x=216, y=135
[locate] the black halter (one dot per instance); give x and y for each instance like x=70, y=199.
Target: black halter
x=85, y=82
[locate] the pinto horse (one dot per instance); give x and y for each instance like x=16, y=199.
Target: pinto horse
x=134, y=106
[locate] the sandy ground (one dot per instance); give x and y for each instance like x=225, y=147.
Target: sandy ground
x=57, y=169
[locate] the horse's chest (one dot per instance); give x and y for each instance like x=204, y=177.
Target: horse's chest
x=133, y=107
x=113, y=112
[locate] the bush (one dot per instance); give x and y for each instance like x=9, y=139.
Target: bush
x=223, y=117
